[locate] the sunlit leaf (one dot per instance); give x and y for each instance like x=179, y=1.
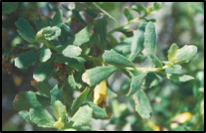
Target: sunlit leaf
x=96, y=75
x=25, y=101
x=25, y=115
x=149, y=38
x=172, y=51
x=82, y=117
x=82, y=36
x=48, y=33
x=179, y=77
x=44, y=70
x=27, y=59
x=41, y=117
x=112, y=57
x=71, y=81
x=59, y=109
x=72, y=51
x=45, y=54
x=184, y=54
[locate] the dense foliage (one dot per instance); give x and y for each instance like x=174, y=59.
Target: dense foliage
x=78, y=54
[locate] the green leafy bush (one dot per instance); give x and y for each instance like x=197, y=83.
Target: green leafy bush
x=72, y=60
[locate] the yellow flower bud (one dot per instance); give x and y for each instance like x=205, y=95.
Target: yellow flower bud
x=100, y=94
x=59, y=124
x=182, y=118
x=153, y=126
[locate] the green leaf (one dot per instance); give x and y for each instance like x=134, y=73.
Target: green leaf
x=176, y=69
x=78, y=16
x=44, y=70
x=65, y=7
x=184, y=54
x=25, y=101
x=128, y=14
x=158, y=5
x=139, y=8
x=45, y=54
x=25, y=116
x=25, y=30
x=155, y=60
x=91, y=13
x=110, y=93
x=150, y=20
x=138, y=41
x=72, y=51
x=136, y=82
x=78, y=101
x=59, y=109
x=96, y=75
x=65, y=32
x=86, y=48
x=112, y=57
x=57, y=19
x=81, y=117
x=119, y=109
x=142, y=104
x=168, y=63
x=27, y=59
x=179, y=77
x=48, y=33
x=40, y=23
x=105, y=12
x=73, y=62
x=98, y=113
x=56, y=94
x=52, y=6
x=9, y=7
x=126, y=32
x=82, y=36
x=45, y=101
x=71, y=81
x=41, y=117
x=149, y=38
x=152, y=79
x=43, y=87
x=100, y=31
x=172, y=51
x=124, y=47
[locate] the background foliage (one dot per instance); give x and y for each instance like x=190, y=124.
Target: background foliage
x=182, y=23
